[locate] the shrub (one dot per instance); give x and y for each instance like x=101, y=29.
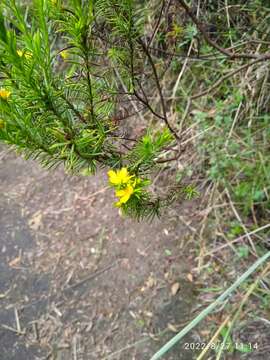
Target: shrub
x=68, y=69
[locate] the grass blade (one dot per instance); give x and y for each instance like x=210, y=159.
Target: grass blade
x=209, y=308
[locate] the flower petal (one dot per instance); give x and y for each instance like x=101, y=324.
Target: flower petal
x=123, y=173
x=125, y=194
x=120, y=193
x=113, y=177
x=124, y=198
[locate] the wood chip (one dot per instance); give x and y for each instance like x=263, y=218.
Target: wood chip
x=15, y=262
x=175, y=288
x=172, y=328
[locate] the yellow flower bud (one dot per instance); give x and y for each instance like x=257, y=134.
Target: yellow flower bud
x=64, y=54
x=4, y=94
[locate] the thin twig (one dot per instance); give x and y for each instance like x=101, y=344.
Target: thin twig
x=91, y=276
x=12, y=329
x=125, y=89
x=157, y=24
x=18, y=325
x=185, y=62
x=233, y=124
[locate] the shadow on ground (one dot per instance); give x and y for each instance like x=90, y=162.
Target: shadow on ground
x=77, y=281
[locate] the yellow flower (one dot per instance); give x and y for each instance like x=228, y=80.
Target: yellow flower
x=64, y=54
x=26, y=54
x=4, y=94
x=119, y=177
x=124, y=195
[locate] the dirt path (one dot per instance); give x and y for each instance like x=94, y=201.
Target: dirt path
x=77, y=281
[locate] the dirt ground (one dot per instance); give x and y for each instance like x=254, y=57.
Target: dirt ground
x=78, y=281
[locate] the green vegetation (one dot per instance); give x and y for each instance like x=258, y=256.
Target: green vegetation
x=68, y=71
x=142, y=89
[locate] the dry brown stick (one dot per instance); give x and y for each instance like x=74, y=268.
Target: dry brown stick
x=18, y=324
x=4, y=326
x=75, y=348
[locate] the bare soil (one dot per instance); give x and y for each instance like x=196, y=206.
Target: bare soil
x=77, y=280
